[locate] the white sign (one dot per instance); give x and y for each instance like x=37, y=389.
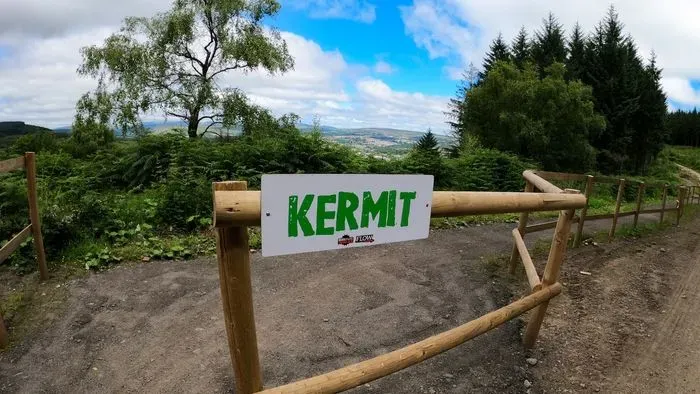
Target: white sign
x=306, y=213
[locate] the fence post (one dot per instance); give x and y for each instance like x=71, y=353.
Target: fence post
x=640, y=197
x=522, y=223
x=584, y=211
x=663, y=204
x=233, y=255
x=620, y=194
x=4, y=337
x=681, y=201
x=551, y=274
x=34, y=217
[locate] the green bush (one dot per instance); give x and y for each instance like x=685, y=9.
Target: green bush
x=488, y=170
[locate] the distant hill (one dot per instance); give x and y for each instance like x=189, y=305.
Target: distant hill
x=377, y=141
x=9, y=129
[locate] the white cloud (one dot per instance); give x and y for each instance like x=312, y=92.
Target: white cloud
x=461, y=30
x=357, y=10
x=39, y=84
x=383, y=67
x=47, y=18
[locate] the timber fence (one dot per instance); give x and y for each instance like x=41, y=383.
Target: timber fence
x=236, y=208
x=686, y=195
x=28, y=163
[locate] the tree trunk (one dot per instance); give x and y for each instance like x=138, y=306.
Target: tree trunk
x=193, y=125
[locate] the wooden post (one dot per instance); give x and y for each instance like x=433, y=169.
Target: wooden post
x=233, y=255
x=663, y=204
x=620, y=194
x=522, y=222
x=681, y=203
x=551, y=274
x=584, y=211
x=640, y=197
x=4, y=337
x=30, y=168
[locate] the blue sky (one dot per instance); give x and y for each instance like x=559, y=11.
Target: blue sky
x=365, y=43
x=359, y=63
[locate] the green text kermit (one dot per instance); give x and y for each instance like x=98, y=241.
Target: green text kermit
x=345, y=211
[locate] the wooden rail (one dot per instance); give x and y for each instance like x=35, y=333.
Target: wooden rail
x=366, y=371
x=532, y=278
x=236, y=208
x=242, y=208
x=28, y=163
x=686, y=195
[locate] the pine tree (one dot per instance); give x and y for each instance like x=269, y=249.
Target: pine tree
x=425, y=158
x=648, y=122
x=548, y=45
x=427, y=142
x=498, y=51
x=456, y=110
x=522, y=52
x=577, y=52
x=624, y=91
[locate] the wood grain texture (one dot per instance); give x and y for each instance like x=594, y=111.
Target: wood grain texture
x=522, y=223
x=34, y=216
x=551, y=274
x=584, y=211
x=540, y=183
x=14, y=243
x=233, y=255
x=532, y=278
x=243, y=207
x=618, y=201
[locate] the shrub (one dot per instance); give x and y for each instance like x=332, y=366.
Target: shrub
x=488, y=170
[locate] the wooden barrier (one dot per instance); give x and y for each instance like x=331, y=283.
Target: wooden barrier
x=590, y=181
x=618, y=201
x=28, y=162
x=663, y=204
x=380, y=366
x=522, y=223
x=235, y=208
x=532, y=278
x=584, y=211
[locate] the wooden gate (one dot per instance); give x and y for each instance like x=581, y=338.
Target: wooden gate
x=235, y=208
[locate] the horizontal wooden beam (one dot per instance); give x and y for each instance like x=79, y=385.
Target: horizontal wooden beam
x=533, y=228
x=366, y=371
x=242, y=208
x=540, y=183
x=12, y=164
x=561, y=176
x=657, y=210
x=532, y=278
x=14, y=243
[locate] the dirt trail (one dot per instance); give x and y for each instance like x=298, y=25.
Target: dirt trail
x=690, y=175
x=158, y=327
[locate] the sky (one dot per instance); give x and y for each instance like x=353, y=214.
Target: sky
x=358, y=63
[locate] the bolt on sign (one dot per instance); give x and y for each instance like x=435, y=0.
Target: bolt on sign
x=309, y=212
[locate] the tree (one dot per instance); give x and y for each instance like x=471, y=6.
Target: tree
x=498, y=51
x=470, y=78
x=577, y=52
x=427, y=143
x=173, y=63
x=548, y=120
x=425, y=158
x=623, y=90
x=522, y=51
x=548, y=45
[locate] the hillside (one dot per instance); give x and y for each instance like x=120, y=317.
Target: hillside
x=8, y=129
x=371, y=140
